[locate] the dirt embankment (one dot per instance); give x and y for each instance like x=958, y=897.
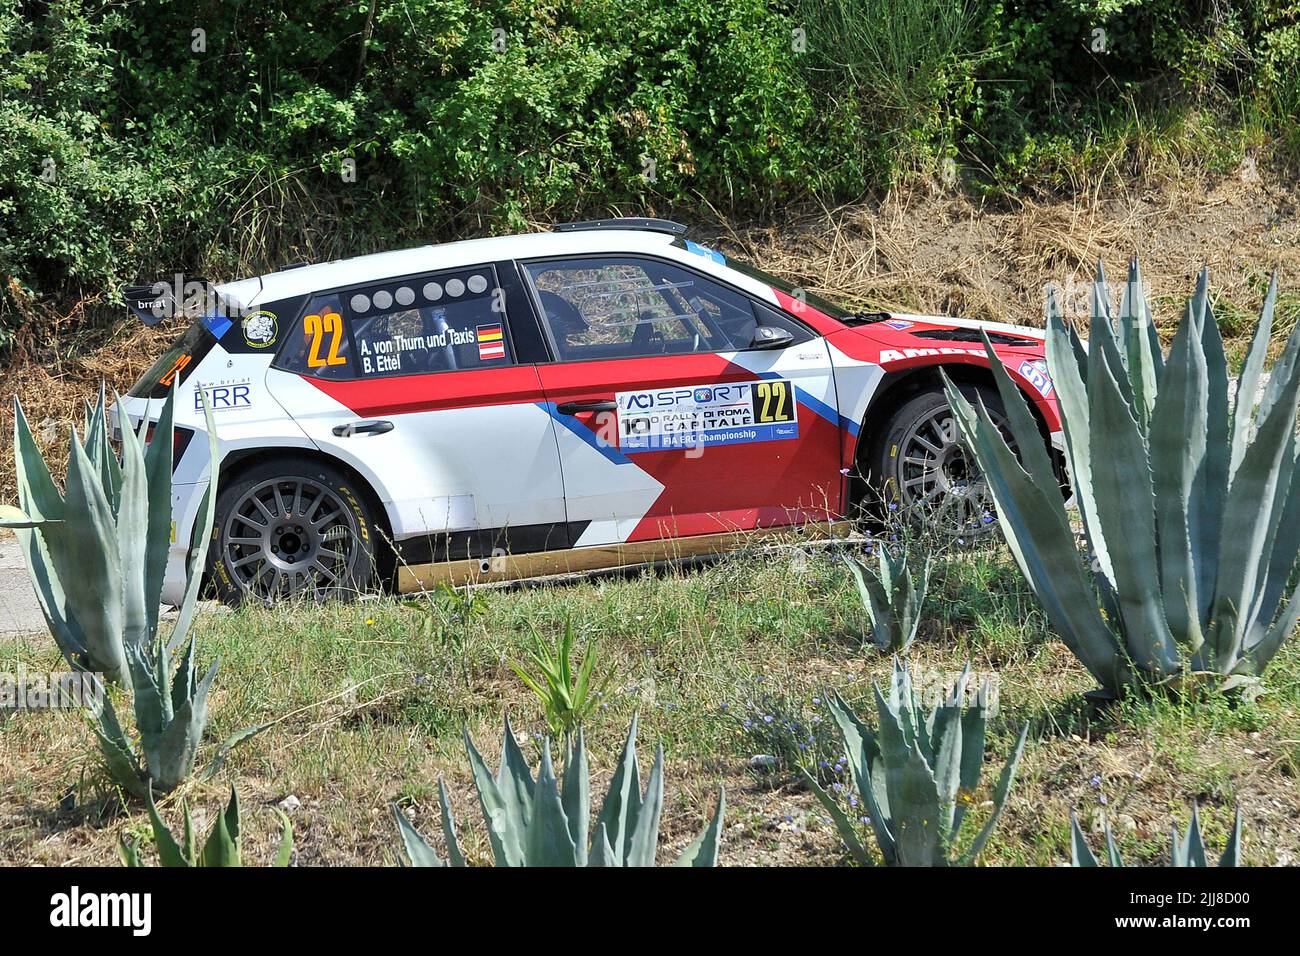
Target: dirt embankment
x=953, y=256
x=911, y=252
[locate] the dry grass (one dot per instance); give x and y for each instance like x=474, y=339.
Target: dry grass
x=952, y=256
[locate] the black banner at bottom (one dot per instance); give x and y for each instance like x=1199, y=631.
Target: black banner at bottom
x=334, y=905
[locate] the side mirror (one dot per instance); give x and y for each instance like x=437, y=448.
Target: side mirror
x=770, y=337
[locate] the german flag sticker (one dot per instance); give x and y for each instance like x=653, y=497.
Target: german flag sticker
x=491, y=343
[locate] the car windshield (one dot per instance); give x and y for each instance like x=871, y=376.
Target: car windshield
x=789, y=288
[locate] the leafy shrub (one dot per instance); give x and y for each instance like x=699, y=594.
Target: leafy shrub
x=184, y=138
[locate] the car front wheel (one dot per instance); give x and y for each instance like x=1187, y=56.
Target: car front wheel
x=922, y=469
x=291, y=528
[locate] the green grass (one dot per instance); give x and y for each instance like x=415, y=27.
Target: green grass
x=371, y=711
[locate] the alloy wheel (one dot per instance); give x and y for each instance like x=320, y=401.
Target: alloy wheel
x=289, y=536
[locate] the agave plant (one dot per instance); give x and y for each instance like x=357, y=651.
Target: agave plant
x=893, y=598
x=96, y=555
x=567, y=697
x=1187, y=850
x=917, y=777
x=545, y=822
x=171, y=714
x=222, y=847
x=1190, y=505
x=96, y=552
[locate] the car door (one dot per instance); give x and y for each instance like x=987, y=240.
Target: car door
x=671, y=422
x=417, y=384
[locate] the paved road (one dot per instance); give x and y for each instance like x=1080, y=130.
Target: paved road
x=19, y=612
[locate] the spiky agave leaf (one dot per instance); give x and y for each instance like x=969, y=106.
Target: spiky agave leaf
x=222, y=848
x=536, y=822
x=202, y=527
x=892, y=596
x=703, y=850
x=97, y=553
x=88, y=562
x=1006, y=780
x=1187, y=850
x=1159, y=468
x=11, y=517
x=416, y=851
x=120, y=756
x=1032, y=516
x=914, y=776
x=40, y=499
x=1081, y=854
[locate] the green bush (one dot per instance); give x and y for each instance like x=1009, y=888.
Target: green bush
x=213, y=137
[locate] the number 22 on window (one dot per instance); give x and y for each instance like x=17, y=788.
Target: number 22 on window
x=319, y=326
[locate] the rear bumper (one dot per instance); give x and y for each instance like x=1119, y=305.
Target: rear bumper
x=173, y=589
x=185, y=512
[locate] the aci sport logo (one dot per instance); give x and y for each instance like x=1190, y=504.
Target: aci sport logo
x=695, y=416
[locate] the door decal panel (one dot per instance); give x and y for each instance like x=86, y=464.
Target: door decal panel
x=698, y=444
x=467, y=450
x=706, y=415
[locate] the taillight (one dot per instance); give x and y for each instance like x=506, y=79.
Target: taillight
x=181, y=438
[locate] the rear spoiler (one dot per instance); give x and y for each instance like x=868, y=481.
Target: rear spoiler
x=193, y=298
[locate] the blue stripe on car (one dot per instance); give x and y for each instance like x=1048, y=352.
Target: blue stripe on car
x=585, y=433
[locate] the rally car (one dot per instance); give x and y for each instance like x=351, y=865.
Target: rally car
x=606, y=394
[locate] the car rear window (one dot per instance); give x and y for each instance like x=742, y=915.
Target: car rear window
x=176, y=364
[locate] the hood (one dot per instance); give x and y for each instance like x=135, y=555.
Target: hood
x=901, y=330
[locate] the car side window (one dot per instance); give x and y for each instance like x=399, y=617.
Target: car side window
x=447, y=321
x=442, y=322
x=321, y=346
x=608, y=307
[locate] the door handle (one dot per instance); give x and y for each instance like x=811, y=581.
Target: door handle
x=573, y=408
x=362, y=428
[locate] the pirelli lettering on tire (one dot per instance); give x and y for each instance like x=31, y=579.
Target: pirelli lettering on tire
x=694, y=416
x=362, y=527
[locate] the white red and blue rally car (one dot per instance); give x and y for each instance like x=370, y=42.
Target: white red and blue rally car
x=602, y=395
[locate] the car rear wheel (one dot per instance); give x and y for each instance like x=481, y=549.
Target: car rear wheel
x=922, y=469
x=292, y=528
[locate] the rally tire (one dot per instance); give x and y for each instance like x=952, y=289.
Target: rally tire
x=919, y=468
x=292, y=528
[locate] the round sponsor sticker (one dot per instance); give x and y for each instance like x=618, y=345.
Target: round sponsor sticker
x=260, y=329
